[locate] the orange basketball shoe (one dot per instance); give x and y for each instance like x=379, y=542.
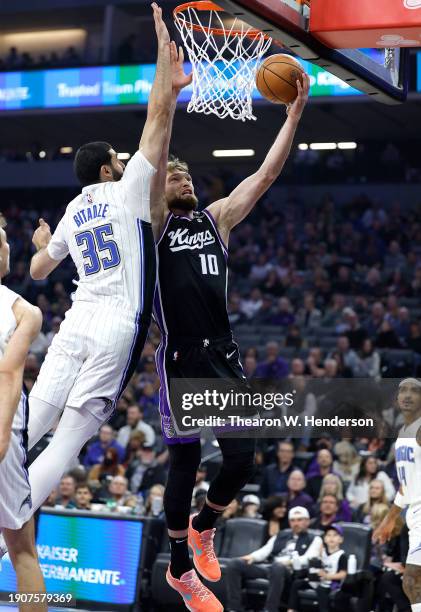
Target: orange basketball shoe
x=204, y=557
x=196, y=597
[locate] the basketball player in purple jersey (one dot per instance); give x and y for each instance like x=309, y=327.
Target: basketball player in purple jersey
x=197, y=342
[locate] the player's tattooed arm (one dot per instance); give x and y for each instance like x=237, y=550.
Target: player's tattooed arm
x=384, y=531
x=230, y=211
x=29, y=320
x=42, y=264
x=180, y=79
x=154, y=131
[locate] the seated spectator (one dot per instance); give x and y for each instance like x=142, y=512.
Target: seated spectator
x=296, y=484
x=333, y=314
x=83, y=497
x=275, y=476
x=332, y=485
x=347, y=464
x=358, y=492
x=274, y=365
x=275, y=512
x=278, y=551
x=283, y=316
x=100, y=473
x=145, y=471
x=135, y=422
x=387, y=337
x=317, y=471
x=369, y=361
x=251, y=306
x=66, y=492
x=250, y=366
x=413, y=340
x=327, y=512
x=154, y=505
x=137, y=438
x=309, y=316
x=96, y=450
x=250, y=506
x=273, y=285
x=348, y=357
x=376, y=495
x=374, y=321
x=118, y=493
x=294, y=338
x=297, y=368
x=333, y=572
x=355, y=333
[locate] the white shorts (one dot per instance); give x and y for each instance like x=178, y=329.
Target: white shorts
x=15, y=492
x=91, y=359
x=413, y=520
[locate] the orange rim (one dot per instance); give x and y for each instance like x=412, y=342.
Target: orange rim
x=205, y=5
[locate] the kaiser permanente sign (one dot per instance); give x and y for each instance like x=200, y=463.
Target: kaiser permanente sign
x=114, y=86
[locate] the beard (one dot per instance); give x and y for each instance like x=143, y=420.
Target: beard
x=117, y=174
x=186, y=203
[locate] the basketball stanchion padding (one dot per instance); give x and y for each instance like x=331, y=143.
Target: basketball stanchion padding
x=224, y=53
x=359, y=24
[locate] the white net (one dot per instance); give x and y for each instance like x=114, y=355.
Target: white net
x=224, y=61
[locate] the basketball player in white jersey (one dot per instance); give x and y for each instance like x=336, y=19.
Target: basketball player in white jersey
x=20, y=324
x=408, y=466
x=107, y=231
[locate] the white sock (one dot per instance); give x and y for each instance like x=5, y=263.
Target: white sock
x=75, y=428
x=416, y=607
x=42, y=417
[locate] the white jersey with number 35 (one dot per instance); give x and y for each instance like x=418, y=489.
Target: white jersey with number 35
x=103, y=230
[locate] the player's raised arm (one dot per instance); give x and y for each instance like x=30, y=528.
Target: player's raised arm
x=229, y=211
x=159, y=210
x=50, y=250
x=29, y=320
x=154, y=132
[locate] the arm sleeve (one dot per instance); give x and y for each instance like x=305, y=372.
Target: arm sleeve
x=135, y=185
x=263, y=553
x=58, y=247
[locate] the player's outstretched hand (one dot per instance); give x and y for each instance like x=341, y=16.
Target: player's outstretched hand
x=42, y=235
x=179, y=78
x=383, y=533
x=160, y=27
x=295, y=109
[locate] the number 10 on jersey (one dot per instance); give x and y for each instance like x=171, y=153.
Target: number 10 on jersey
x=209, y=264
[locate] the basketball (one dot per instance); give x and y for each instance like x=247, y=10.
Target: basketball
x=277, y=76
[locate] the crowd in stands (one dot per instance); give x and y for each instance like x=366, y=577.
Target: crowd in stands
x=330, y=290
x=370, y=161
x=16, y=59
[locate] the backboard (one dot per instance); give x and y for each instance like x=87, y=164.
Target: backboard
x=381, y=74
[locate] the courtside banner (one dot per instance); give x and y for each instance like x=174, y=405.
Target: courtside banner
x=296, y=407
x=115, y=86
x=93, y=559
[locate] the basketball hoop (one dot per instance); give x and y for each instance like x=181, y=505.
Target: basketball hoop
x=224, y=59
